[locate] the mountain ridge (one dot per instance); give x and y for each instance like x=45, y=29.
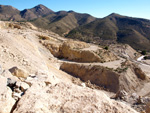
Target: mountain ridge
x=114, y=28
x=118, y=28
x=60, y=22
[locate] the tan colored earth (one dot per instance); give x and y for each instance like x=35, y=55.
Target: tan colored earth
x=41, y=72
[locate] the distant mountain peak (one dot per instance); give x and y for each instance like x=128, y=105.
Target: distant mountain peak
x=42, y=7
x=71, y=11
x=41, y=10
x=115, y=14
x=36, y=12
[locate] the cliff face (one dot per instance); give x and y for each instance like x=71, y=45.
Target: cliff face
x=96, y=74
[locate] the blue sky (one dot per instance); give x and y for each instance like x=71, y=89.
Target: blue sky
x=97, y=8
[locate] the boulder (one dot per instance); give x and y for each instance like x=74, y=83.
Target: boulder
x=6, y=100
x=22, y=85
x=121, y=95
x=42, y=78
x=11, y=83
x=18, y=72
x=8, y=75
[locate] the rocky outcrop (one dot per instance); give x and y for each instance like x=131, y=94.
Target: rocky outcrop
x=124, y=50
x=78, y=55
x=53, y=47
x=140, y=74
x=74, y=51
x=14, y=26
x=45, y=97
x=63, y=97
x=106, y=55
x=96, y=74
x=129, y=81
x=132, y=77
x=128, y=77
x=29, y=25
x=9, y=25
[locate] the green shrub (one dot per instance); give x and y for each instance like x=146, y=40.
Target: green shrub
x=145, y=58
x=43, y=37
x=143, y=52
x=120, y=70
x=106, y=48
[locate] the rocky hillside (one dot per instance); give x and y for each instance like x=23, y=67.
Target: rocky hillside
x=115, y=28
x=9, y=13
x=43, y=72
x=60, y=22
